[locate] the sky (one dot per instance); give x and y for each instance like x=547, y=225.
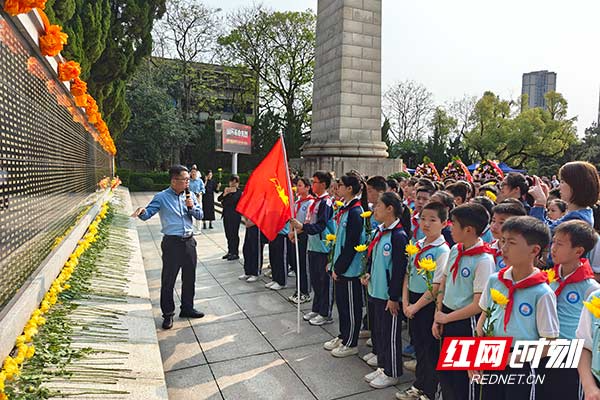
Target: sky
x=465, y=47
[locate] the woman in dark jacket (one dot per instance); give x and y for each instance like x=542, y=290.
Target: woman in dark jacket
x=231, y=218
x=208, y=200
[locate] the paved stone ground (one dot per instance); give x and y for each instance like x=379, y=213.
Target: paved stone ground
x=246, y=347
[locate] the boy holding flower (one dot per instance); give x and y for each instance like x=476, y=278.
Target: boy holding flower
x=418, y=294
x=519, y=301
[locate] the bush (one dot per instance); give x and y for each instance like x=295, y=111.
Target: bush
x=397, y=175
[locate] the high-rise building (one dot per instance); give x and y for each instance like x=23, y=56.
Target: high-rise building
x=536, y=84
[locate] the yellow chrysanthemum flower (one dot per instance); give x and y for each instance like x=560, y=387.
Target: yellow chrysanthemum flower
x=498, y=297
x=593, y=306
x=427, y=264
x=30, y=352
x=411, y=249
x=10, y=367
x=366, y=214
x=361, y=247
x=551, y=275
x=330, y=237
x=490, y=195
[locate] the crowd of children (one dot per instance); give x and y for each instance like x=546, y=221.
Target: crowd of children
x=505, y=257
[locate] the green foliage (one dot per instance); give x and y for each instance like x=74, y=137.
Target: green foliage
x=109, y=38
x=156, y=131
x=279, y=47
x=520, y=139
x=441, y=125
x=397, y=175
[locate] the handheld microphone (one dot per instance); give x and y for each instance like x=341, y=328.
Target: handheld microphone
x=188, y=196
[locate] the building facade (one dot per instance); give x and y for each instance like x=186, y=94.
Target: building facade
x=536, y=84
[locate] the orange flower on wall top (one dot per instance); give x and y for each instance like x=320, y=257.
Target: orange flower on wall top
x=14, y=7
x=68, y=71
x=53, y=41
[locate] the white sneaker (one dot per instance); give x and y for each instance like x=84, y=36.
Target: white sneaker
x=370, y=343
x=372, y=362
x=344, y=351
x=411, y=393
x=320, y=320
x=243, y=277
x=368, y=356
x=291, y=273
x=276, y=286
x=369, y=377
x=268, y=285
x=305, y=298
x=309, y=316
x=333, y=344
x=252, y=278
x=410, y=365
x=293, y=298
x=382, y=381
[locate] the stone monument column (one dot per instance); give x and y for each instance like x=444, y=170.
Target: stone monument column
x=346, y=119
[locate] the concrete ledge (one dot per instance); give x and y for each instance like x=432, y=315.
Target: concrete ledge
x=16, y=313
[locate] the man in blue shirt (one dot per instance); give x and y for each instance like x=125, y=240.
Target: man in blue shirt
x=176, y=207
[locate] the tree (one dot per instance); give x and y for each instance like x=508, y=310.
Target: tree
x=462, y=111
x=279, y=47
x=520, y=139
x=442, y=126
x=156, y=130
x=408, y=105
x=187, y=33
x=109, y=38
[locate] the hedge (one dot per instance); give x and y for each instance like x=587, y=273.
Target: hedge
x=157, y=181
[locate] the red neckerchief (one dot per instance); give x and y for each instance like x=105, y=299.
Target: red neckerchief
x=485, y=248
x=415, y=224
x=535, y=279
x=317, y=200
x=423, y=250
x=583, y=272
x=345, y=209
x=378, y=238
x=300, y=201
x=496, y=252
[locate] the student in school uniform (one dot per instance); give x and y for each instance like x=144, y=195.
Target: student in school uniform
x=589, y=363
x=423, y=195
x=447, y=199
x=469, y=266
x=346, y=267
x=387, y=267
x=303, y=203
x=500, y=213
x=278, y=249
x=419, y=303
x=486, y=235
x=529, y=312
x=376, y=186
x=254, y=242
x=317, y=225
x=572, y=280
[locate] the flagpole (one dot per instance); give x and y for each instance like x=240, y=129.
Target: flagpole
x=293, y=213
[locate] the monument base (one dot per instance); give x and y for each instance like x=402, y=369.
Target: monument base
x=341, y=165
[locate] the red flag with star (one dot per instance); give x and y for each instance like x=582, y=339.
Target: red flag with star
x=266, y=197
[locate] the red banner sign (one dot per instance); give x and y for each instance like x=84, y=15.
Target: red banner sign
x=232, y=137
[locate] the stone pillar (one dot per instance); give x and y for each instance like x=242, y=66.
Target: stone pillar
x=346, y=119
